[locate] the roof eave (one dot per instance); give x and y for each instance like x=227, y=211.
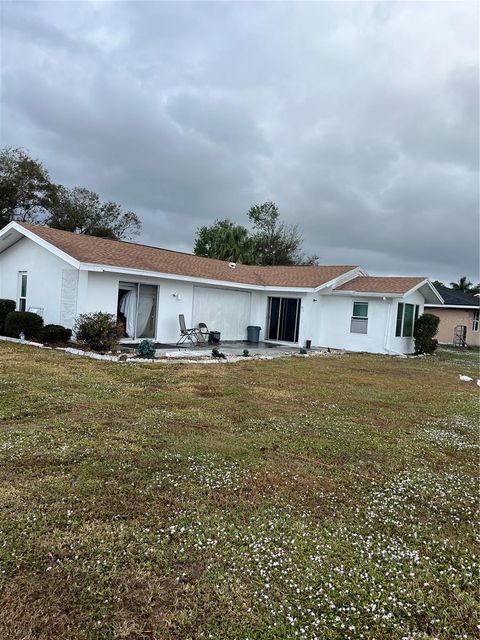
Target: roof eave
x=341, y=279
x=471, y=307
x=431, y=293
x=143, y=273
x=23, y=231
x=367, y=294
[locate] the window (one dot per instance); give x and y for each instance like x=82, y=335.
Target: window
x=407, y=315
x=283, y=320
x=408, y=320
x=476, y=320
x=22, y=290
x=137, y=309
x=359, y=321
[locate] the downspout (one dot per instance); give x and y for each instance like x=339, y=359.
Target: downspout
x=387, y=330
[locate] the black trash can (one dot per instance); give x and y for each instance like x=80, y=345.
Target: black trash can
x=253, y=334
x=214, y=337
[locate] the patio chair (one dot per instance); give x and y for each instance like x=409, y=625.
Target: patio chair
x=186, y=334
x=202, y=333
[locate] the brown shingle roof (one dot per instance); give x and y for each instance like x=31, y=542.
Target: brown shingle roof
x=116, y=253
x=367, y=284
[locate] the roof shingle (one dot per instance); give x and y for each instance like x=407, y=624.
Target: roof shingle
x=368, y=284
x=116, y=253
x=455, y=298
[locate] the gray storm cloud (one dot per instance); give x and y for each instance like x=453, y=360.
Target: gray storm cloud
x=360, y=120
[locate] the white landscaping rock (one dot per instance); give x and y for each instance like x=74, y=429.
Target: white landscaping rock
x=18, y=341
x=185, y=354
x=175, y=355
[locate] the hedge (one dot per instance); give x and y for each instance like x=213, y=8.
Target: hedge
x=6, y=307
x=17, y=322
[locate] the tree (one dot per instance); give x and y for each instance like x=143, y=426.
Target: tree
x=275, y=242
x=463, y=284
x=424, y=332
x=224, y=240
x=81, y=211
x=26, y=192
x=271, y=243
x=28, y=195
x=438, y=283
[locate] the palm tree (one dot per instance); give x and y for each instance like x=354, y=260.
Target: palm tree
x=462, y=285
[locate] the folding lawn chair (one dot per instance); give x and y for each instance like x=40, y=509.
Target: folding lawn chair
x=202, y=333
x=186, y=334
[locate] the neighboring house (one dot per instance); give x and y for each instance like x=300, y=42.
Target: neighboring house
x=459, y=317
x=61, y=275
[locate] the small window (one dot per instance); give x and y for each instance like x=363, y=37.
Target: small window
x=359, y=323
x=22, y=290
x=476, y=321
x=407, y=315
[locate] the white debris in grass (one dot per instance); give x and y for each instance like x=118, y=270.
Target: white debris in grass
x=456, y=432
x=205, y=471
x=377, y=574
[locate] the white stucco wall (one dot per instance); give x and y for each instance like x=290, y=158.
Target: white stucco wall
x=45, y=272
x=404, y=345
x=334, y=318
x=102, y=295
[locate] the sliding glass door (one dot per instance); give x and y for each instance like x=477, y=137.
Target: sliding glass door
x=137, y=309
x=283, y=319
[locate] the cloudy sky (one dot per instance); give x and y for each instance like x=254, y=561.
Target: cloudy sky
x=359, y=119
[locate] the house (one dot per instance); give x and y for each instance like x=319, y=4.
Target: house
x=61, y=275
x=459, y=317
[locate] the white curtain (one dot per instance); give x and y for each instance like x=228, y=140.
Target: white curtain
x=145, y=306
x=128, y=306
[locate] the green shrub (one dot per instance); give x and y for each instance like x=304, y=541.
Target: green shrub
x=426, y=328
x=17, y=322
x=55, y=334
x=6, y=307
x=99, y=331
x=246, y=353
x=303, y=351
x=146, y=349
x=218, y=354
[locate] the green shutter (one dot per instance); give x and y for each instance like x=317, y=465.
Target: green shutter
x=398, y=331
x=408, y=321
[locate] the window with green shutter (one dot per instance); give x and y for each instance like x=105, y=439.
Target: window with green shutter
x=407, y=315
x=408, y=321
x=359, y=322
x=398, y=330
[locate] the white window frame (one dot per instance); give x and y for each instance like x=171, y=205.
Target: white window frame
x=476, y=321
x=416, y=313
x=354, y=319
x=22, y=299
x=135, y=286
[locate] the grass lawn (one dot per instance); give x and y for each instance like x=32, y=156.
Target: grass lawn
x=327, y=498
